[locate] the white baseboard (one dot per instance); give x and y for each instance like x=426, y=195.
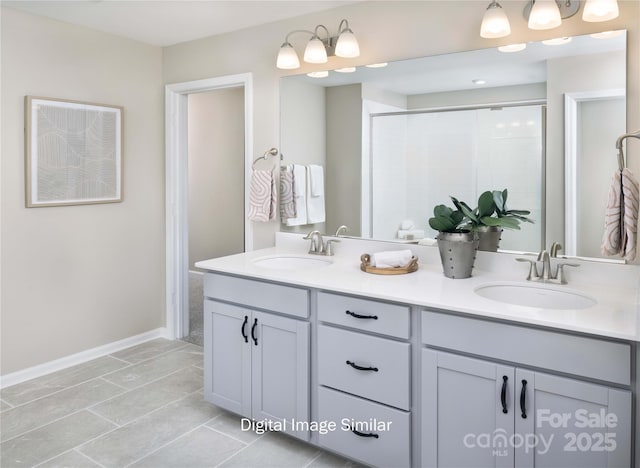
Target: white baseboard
x=83, y=356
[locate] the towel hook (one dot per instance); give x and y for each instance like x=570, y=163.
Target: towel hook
x=267, y=154
x=621, y=162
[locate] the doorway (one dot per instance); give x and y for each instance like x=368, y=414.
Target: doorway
x=179, y=226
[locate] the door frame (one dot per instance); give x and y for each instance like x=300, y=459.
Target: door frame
x=177, y=189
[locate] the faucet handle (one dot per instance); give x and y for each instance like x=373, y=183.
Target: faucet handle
x=533, y=268
x=328, y=249
x=560, y=272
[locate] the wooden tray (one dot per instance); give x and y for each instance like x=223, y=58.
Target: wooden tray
x=367, y=268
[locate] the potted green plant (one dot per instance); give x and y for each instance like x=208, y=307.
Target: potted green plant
x=456, y=243
x=491, y=217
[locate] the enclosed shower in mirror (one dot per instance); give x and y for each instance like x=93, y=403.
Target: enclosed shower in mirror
x=418, y=159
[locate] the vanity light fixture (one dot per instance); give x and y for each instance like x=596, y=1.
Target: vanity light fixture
x=546, y=14
x=495, y=22
x=318, y=74
x=345, y=70
x=557, y=41
x=319, y=49
x=607, y=34
x=377, y=65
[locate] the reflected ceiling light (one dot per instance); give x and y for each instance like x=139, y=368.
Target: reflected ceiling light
x=319, y=49
x=479, y=82
x=377, y=65
x=607, y=34
x=345, y=70
x=544, y=14
x=318, y=74
x=557, y=41
x=512, y=47
x=495, y=22
x=600, y=10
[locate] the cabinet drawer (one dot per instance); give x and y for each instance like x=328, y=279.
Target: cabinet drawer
x=340, y=350
x=390, y=319
x=570, y=354
x=274, y=297
x=392, y=447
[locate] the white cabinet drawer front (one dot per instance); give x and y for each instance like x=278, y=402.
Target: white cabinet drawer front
x=571, y=354
x=276, y=297
x=377, y=317
x=368, y=366
x=391, y=447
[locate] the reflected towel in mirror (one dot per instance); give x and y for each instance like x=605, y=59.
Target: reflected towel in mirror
x=315, y=194
x=300, y=196
x=287, y=192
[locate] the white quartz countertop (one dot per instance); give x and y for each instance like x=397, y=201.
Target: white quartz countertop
x=615, y=315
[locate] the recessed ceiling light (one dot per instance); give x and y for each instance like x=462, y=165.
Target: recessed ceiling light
x=512, y=47
x=479, y=82
x=377, y=65
x=318, y=74
x=345, y=70
x=557, y=41
x=607, y=34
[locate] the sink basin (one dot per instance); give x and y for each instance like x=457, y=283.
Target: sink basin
x=535, y=295
x=291, y=262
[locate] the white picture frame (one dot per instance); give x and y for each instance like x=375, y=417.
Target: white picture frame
x=73, y=152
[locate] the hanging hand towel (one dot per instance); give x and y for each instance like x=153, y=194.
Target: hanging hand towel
x=287, y=192
x=262, y=196
x=300, y=190
x=621, y=216
x=315, y=194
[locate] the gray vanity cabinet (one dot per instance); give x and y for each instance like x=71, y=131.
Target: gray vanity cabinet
x=256, y=362
x=480, y=413
x=477, y=414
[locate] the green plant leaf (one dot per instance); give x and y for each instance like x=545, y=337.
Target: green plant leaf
x=441, y=223
x=486, y=205
x=498, y=199
x=509, y=223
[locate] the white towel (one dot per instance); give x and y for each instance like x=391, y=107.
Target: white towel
x=262, y=196
x=391, y=258
x=621, y=216
x=315, y=194
x=287, y=192
x=300, y=189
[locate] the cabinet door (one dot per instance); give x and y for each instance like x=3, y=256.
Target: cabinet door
x=467, y=412
x=562, y=423
x=280, y=371
x=227, y=357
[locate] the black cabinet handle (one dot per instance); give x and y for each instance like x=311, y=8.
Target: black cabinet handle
x=503, y=394
x=243, y=330
x=523, y=396
x=358, y=316
x=357, y=367
x=253, y=332
x=362, y=434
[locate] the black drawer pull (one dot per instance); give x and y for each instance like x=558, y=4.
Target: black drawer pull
x=243, y=330
x=357, y=367
x=503, y=394
x=523, y=396
x=358, y=316
x=253, y=332
x=362, y=434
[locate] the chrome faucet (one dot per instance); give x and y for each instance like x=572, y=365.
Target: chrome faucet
x=318, y=245
x=341, y=229
x=547, y=276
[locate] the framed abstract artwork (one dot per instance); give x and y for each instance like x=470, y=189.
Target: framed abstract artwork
x=73, y=152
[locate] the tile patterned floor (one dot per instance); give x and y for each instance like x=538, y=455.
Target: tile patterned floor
x=140, y=407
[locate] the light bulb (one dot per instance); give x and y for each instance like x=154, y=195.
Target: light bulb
x=600, y=10
x=495, y=22
x=545, y=14
x=287, y=57
x=315, y=52
x=347, y=45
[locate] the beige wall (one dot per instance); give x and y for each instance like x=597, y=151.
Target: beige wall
x=386, y=30
x=216, y=174
x=77, y=277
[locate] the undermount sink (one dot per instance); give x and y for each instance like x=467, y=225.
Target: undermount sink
x=291, y=262
x=535, y=295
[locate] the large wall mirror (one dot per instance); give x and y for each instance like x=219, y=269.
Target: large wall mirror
x=398, y=139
